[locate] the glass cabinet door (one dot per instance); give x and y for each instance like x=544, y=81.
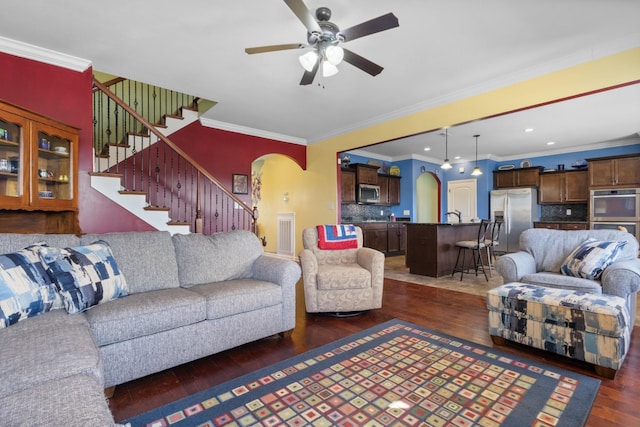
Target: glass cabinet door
x=13, y=187
x=53, y=167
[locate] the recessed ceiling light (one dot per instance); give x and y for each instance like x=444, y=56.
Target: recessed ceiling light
x=427, y=148
x=457, y=157
x=528, y=130
x=550, y=143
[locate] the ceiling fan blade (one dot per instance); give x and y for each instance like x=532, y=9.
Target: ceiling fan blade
x=308, y=76
x=362, y=63
x=304, y=15
x=375, y=25
x=273, y=48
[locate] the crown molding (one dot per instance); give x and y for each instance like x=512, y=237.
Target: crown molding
x=216, y=124
x=40, y=54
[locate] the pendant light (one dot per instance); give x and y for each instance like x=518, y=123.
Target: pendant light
x=446, y=165
x=476, y=170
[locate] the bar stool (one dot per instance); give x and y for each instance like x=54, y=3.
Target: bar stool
x=493, y=242
x=475, y=246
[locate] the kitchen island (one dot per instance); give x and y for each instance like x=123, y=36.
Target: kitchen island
x=431, y=247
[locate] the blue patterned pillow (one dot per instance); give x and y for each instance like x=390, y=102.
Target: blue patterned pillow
x=26, y=289
x=590, y=258
x=84, y=275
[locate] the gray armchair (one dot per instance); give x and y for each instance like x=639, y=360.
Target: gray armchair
x=340, y=281
x=543, y=251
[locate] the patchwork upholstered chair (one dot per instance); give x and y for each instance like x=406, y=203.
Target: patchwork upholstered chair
x=340, y=281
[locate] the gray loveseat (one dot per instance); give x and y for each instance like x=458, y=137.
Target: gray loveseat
x=189, y=296
x=543, y=251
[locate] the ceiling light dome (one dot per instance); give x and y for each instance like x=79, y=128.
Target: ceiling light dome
x=308, y=60
x=334, y=54
x=328, y=69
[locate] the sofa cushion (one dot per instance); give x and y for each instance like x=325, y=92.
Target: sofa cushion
x=25, y=287
x=238, y=296
x=146, y=258
x=144, y=314
x=550, y=248
x=74, y=401
x=343, y=276
x=84, y=275
x=590, y=258
x=557, y=280
x=215, y=258
x=48, y=347
x=12, y=242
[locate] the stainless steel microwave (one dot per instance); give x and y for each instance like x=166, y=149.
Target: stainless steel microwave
x=368, y=194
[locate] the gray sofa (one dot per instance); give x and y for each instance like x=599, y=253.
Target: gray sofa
x=543, y=251
x=189, y=296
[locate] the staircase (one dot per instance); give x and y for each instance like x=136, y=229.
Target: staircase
x=138, y=167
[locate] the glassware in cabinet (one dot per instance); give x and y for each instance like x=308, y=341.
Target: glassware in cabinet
x=53, y=167
x=13, y=185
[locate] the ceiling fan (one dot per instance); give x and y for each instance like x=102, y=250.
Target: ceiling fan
x=324, y=38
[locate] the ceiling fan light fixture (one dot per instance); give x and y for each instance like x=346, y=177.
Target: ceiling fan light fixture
x=308, y=60
x=334, y=54
x=328, y=69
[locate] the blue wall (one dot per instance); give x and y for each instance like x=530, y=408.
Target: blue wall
x=411, y=169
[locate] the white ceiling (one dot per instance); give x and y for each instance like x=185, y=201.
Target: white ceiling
x=443, y=50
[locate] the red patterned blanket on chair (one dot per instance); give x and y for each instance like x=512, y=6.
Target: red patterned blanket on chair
x=341, y=236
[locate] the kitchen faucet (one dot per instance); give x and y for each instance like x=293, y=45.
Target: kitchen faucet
x=457, y=213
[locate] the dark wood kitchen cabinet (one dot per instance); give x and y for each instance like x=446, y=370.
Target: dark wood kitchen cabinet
x=347, y=186
x=615, y=171
x=396, y=238
x=394, y=190
x=389, y=189
x=564, y=187
x=366, y=174
x=523, y=177
x=374, y=235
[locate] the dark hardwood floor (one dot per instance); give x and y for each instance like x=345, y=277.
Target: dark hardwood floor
x=454, y=313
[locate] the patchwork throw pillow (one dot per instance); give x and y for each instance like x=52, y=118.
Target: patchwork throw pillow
x=84, y=275
x=26, y=289
x=591, y=258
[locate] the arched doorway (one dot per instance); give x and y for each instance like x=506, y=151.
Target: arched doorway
x=428, y=198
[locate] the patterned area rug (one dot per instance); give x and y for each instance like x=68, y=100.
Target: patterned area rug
x=394, y=374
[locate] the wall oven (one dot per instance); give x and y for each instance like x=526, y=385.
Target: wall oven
x=631, y=227
x=615, y=205
x=611, y=209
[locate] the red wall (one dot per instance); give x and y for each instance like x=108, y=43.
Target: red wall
x=65, y=95
x=225, y=153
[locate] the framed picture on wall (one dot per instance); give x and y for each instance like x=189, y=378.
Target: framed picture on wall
x=240, y=183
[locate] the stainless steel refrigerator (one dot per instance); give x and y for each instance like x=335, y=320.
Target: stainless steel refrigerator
x=519, y=208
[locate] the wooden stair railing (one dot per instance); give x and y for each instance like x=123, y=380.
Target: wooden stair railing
x=170, y=178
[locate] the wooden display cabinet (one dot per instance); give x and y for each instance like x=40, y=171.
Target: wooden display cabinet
x=38, y=173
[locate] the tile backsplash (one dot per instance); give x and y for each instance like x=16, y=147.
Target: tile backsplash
x=353, y=212
x=579, y=212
